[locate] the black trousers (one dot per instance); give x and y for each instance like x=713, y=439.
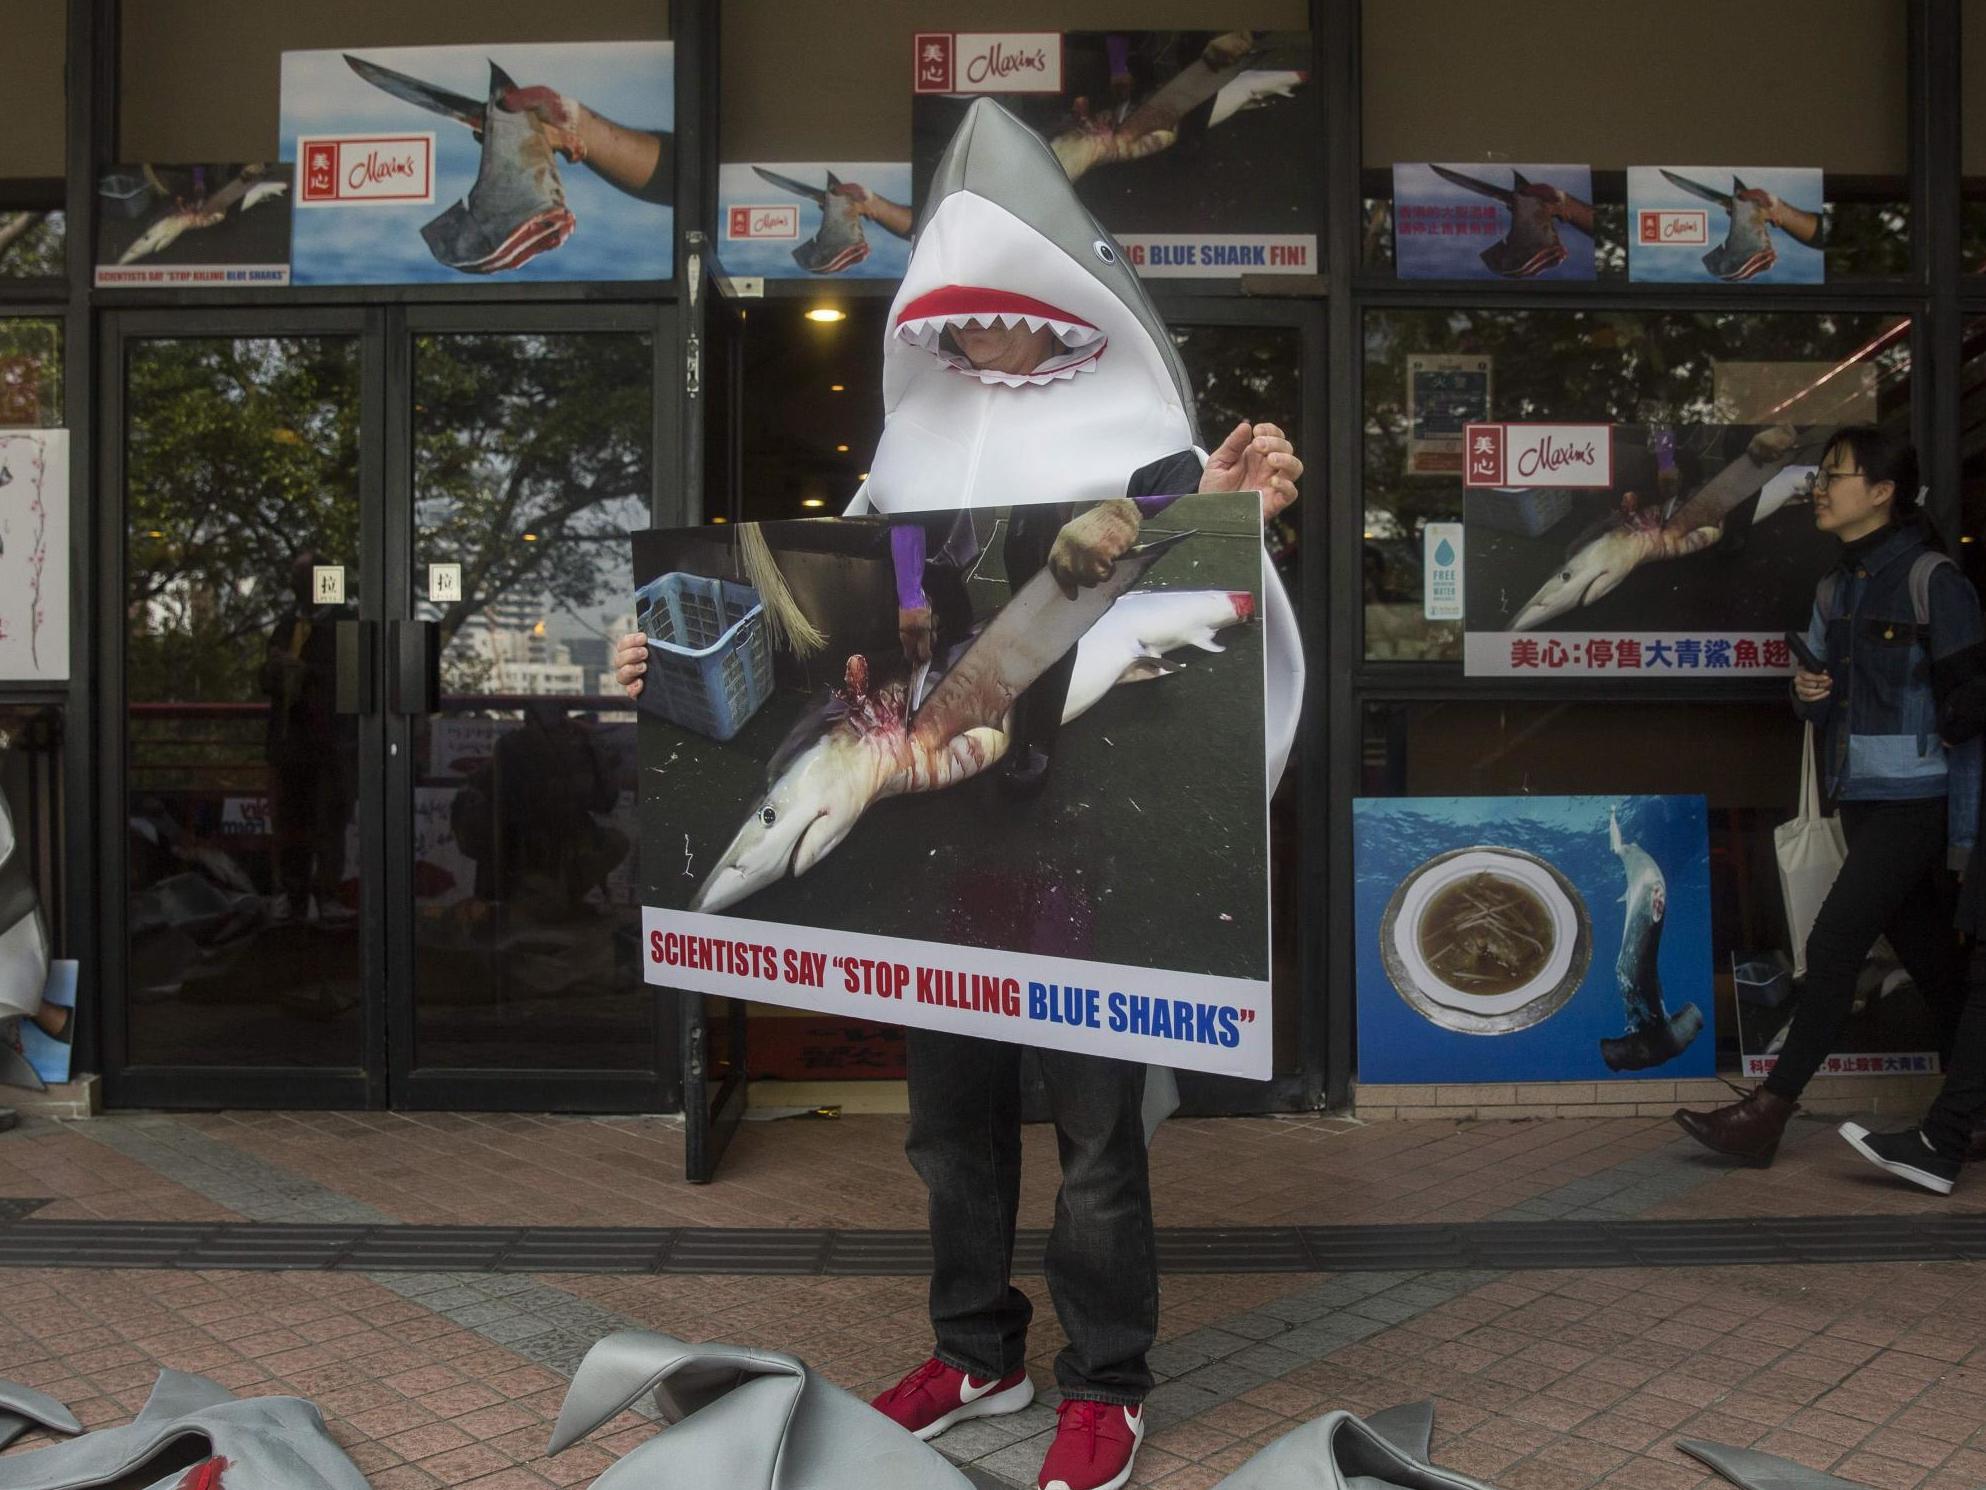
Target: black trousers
x=1031, y=533
x=1102, y=1258
x=1894, y=883
x=1961, y=1105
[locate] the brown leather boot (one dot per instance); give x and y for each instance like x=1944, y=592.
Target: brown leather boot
x=1748, y=1130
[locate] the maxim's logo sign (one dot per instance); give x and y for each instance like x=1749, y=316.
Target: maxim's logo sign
x=987, y=62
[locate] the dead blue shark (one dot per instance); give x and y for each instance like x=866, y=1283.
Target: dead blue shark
x=1654, y=1036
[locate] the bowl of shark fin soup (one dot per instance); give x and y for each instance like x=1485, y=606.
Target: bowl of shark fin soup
x=1486, y=940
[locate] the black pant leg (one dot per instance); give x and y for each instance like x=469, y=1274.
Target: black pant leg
x=1102, y=1258
x=1961, y=1104
x=965, y=1144
x=1891, y=846
x=1928, y=946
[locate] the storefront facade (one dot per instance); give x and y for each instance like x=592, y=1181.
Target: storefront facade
x=506, y=434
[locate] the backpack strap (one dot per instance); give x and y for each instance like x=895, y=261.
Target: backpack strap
x=1921, y=569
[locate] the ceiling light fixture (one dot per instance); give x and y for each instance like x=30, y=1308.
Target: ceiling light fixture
x=826, y=314
x=813, y=502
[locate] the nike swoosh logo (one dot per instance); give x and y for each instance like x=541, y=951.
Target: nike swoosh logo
x=970, y=1393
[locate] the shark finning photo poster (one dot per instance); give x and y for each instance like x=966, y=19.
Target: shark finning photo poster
x=446, y=165
x=831, y=818
x=1708, y=225
x=1164, y=134
x=817, y=220
x=1639, y=551
x=34, y=555
x=1493, y=221
x=1532, y=938
x=160, y=226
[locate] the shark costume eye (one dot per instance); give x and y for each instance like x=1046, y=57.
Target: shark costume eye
x=1104, y=251
x=768, y=816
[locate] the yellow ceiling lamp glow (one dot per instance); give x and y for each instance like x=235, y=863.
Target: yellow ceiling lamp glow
x=818, y=502
x=826, y=315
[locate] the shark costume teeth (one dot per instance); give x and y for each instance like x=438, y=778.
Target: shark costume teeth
x=924, y=322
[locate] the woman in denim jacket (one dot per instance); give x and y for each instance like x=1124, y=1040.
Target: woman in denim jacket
x=1909, y=802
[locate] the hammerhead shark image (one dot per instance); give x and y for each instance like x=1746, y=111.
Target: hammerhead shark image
x=839, y=242
x=248, y=190
x=1532, y=245
x=516, y=210
x=1747, y=250
x=1637, y=534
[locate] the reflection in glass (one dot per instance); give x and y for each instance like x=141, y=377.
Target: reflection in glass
x=1972, y=450
x=32, y=244
x=1676, y=369
x=241, y=492
x=532, y=461
x=31, y=373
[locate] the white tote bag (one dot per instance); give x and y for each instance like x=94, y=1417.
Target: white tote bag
x=1810, y=849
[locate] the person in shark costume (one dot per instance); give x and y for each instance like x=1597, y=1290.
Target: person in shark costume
x=1025, y=361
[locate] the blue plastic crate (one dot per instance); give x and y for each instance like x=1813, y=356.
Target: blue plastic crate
x=709, y=660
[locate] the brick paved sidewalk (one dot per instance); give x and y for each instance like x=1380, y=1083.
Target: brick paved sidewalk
x=1543, y=1380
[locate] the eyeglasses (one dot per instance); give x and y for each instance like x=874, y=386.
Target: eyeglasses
x=1824, y=478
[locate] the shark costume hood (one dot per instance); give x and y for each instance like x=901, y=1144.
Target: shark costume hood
x=1004, y=236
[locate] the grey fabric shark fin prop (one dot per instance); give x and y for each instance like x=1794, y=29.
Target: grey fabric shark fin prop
x=1755, y=1471
x=740, y=1419
x=1342, y=1451
x=190, y=1424
x=22, y=1408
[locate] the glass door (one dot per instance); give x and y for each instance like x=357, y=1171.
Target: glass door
x=243, y=935
x=532, y=450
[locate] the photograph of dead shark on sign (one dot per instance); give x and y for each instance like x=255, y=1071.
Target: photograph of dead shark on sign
x=203, y=224
x=1696, y=561
x=799, y=768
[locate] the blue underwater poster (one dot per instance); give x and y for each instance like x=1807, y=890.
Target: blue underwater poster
x=1533, y=938
x=1725, y=225
x=446, y=165
x=1493, y=221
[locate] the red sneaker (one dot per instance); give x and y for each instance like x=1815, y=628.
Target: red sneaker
x=934, y=1397
x=1095, y=1443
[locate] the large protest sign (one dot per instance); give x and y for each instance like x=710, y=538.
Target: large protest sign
x=1637, y=551
x=812, y=836
x=1163, y=132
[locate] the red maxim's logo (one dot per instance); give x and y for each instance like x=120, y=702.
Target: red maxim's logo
x=376, y=168
x=998, y=62
x=933, y=61
x=1546, y=456
x=320, y=171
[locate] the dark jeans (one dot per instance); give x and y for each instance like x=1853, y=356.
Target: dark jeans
x=1031, y=533
x=1961, y=1105
x=1893, y=884
x=1102, y=1261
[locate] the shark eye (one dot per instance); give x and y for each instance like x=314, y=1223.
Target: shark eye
x=1104, y=251
x=768, y=816
x=1566, y=575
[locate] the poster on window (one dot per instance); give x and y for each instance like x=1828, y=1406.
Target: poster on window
x=1632, y=551
x=448, y=165
x=1445, y=394
x=164, y=226
x=1889, y=1030
x=1163, y=132
x=1532, y=938
x=34, y=555
x=816, y=220
x=1054, y=832
x=1492, y=221
x=1711, y=225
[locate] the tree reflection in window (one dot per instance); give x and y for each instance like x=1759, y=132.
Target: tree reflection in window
x=1657, y=368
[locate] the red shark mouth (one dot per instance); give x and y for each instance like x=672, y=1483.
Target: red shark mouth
x=538, y=234
x=206, y=1475
x=924, y=322
x=1243, y=603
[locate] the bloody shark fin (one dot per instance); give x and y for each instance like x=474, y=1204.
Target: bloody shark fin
x=516, y=210
x=1036, y=627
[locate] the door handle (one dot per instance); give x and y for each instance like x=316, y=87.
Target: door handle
x=416, y=667
x=353, y=688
